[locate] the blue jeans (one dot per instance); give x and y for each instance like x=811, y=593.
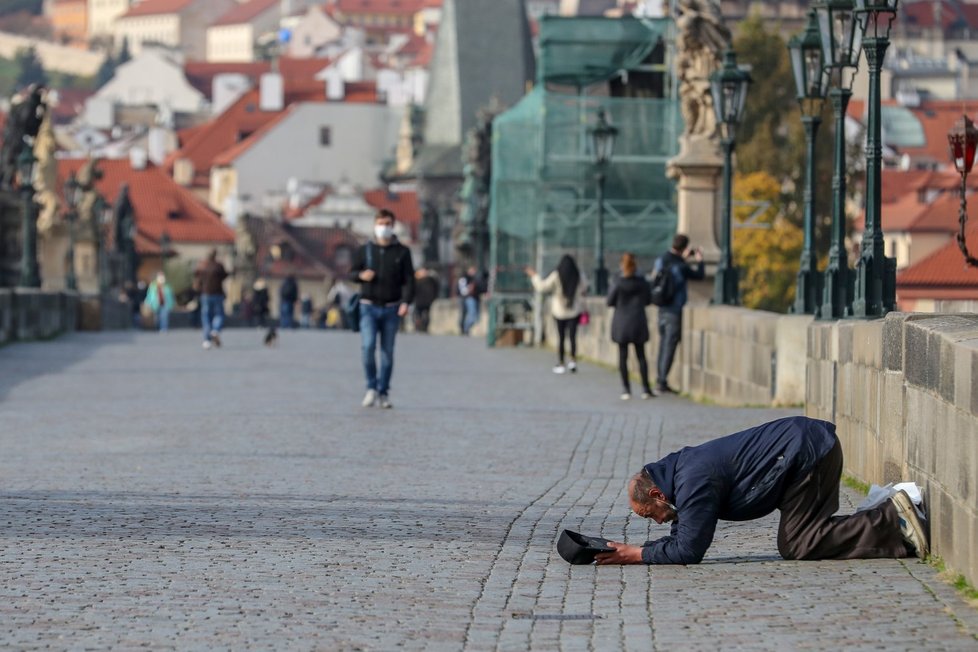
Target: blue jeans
x=470, y=313
x=211, y=313
x=670, y=332
x=287, y=315
x=163, y=319
x=383, y=321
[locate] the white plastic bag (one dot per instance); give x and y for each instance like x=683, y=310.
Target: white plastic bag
x=878, y=495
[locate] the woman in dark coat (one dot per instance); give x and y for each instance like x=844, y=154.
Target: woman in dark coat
x=629, y=297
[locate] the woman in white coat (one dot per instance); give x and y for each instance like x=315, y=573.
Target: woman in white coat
x=568, y=287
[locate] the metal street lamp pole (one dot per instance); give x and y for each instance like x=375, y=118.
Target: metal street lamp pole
x=728, y=86
x=807, y=60
x=30, y=276
x=600, y=272
x=840, y=46
x=603, y=143
x=71, y=199
x=875, y=293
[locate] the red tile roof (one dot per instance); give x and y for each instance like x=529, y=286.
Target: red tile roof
x=380, y=6
x=246, y=12
x=160, y=204
x=228, y=156
x=921, y=14
x=937, y=117
x=404, y=205
x=201, y=74
x=943, y=274
x=241, y=119
x=920, y=201
x=156, y=7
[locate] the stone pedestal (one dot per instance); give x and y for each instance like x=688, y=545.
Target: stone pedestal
x=698, y=169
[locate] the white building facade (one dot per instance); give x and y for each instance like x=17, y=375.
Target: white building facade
x=179, y=25
x=102, y=15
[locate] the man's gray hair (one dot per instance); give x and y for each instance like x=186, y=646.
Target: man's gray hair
x=642, y=484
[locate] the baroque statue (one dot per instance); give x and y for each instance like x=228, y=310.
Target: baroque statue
x=46, y=176
x=702, y=38
x=27, y=111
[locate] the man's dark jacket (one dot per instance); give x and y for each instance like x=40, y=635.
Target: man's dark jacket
x=394, y=282
x=739, y=477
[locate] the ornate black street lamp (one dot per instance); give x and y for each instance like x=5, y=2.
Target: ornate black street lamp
x=30, y=276
x=875, y=273
x=840, y=49
x=963, y=139
x=72, y=194
x=728, y=86
x=603, y=137
x=811, y=87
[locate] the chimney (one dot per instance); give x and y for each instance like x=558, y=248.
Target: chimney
x=138, y=158
x=272, y=92
x=335, y=86
x=183, y=172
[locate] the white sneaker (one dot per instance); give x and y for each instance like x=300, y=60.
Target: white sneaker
x=646, y=396
x=207, y=344
x=626, y=396
x=370, y=398
x=572, y=367
x=559, y=369
x=384, y=402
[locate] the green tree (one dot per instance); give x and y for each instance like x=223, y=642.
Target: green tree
x=772, y=138
x=29, y=68
x=766, y=245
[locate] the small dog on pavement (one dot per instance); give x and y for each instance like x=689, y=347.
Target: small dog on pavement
x=271, y=337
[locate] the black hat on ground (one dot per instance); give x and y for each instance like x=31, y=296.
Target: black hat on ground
x=579, y=549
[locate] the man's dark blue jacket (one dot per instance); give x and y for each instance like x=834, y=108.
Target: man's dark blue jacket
x=739, y=477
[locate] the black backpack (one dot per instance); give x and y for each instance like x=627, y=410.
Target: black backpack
x=352, y=307
x=664, y=285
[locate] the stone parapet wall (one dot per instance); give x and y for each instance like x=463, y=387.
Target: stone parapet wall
x=33, y=314
x=902, y=392
x=736, y=356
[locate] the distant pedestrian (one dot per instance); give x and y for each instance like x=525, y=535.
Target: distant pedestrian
x=130, y=296
x=671, y=313
x=288, y=294
x=259, y=302
x=468, y=292
x=305, y=311
x=210, y=275
x=425, y=293
x=386, y=275
x=568, y=287
x=339, y=295
x=160, y=300
x=630, y=326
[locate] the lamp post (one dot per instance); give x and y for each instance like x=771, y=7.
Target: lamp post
x=875, y=273
x=102, y=214
x=963, y=139
x=30, y=276
x=71, y=195
x=603, y=137
x=811, y=86
x=840, y=50
x=728, y=86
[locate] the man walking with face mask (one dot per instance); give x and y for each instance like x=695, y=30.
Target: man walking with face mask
x=385, y=272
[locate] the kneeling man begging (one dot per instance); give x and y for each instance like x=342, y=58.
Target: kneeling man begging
x=792, y=465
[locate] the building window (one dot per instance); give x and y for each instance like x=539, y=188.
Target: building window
x=325, y=137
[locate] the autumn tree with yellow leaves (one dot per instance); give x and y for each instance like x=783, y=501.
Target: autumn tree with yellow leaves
x=766, y=245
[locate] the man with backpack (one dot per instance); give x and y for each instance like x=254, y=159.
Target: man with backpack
x=669, y=293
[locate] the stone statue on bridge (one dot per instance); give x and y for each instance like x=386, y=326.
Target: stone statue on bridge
x=27, y=112
x=700, y=44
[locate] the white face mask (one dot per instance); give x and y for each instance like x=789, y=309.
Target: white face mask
x=383, y=232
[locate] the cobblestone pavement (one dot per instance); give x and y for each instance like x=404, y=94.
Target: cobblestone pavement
x=154, y=495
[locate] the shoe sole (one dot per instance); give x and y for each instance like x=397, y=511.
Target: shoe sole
x=915, y=535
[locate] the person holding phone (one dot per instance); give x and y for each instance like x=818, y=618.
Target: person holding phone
x=675, y=262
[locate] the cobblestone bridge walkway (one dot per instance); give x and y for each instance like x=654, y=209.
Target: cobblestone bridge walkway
x=154, y=495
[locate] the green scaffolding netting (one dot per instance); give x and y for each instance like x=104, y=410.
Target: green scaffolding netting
x=543, y=192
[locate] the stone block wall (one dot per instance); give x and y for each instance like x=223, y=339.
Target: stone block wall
x=902, y=392
x=736, y=356
x=27, y=314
